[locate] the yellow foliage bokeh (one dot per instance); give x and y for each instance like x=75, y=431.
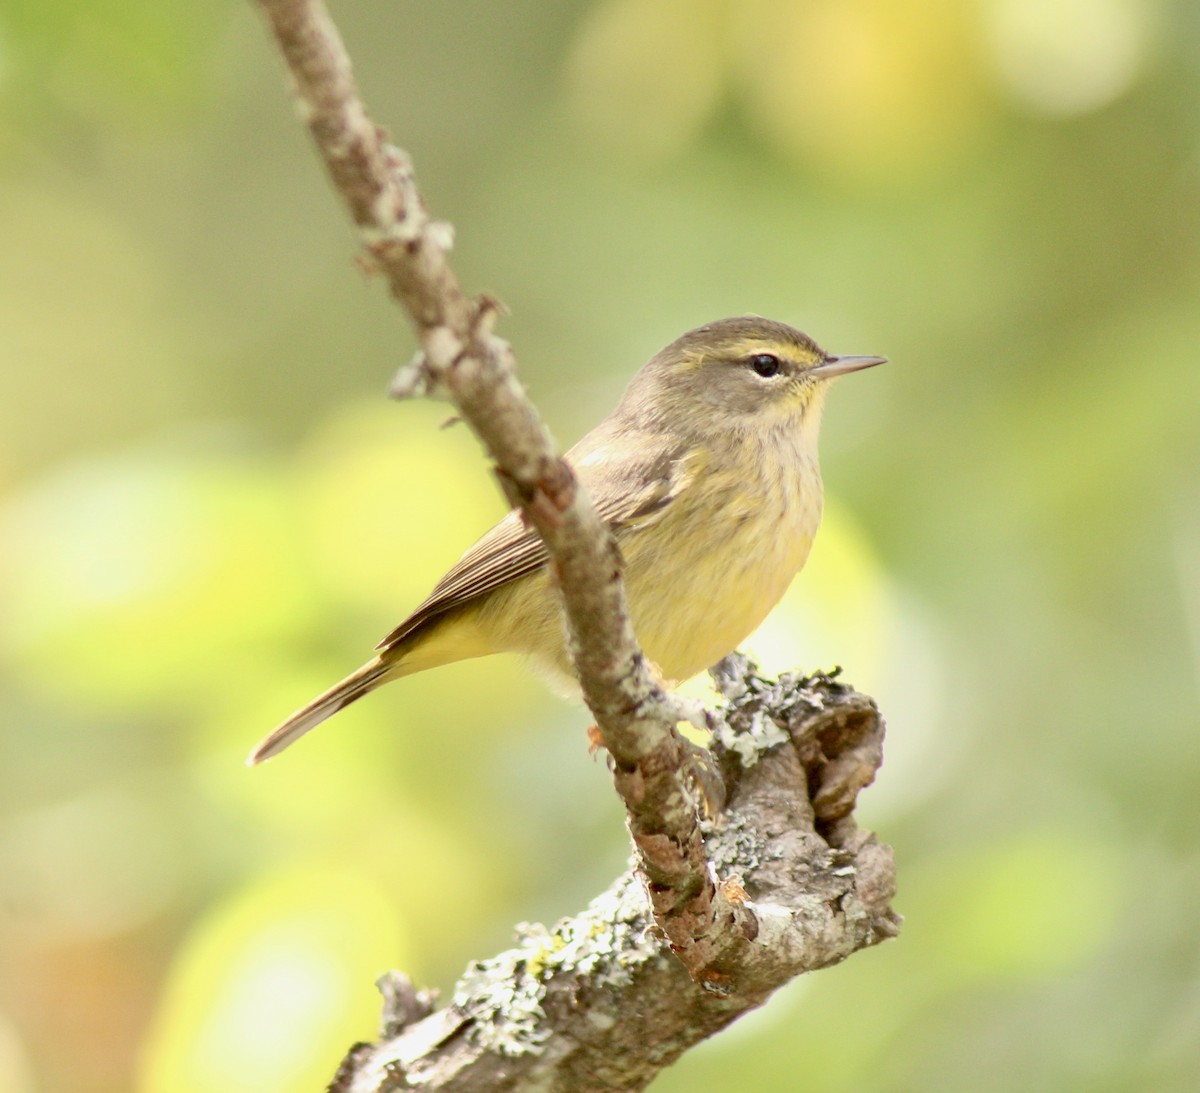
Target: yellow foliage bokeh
x=266, y=992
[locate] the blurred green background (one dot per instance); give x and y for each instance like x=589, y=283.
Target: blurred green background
x=209, y=512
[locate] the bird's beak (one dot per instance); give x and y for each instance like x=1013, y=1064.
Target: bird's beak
x=839, y=366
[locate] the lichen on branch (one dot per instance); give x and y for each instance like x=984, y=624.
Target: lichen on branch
x=594, y=1004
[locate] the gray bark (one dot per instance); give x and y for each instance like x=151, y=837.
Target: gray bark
x=599, y=1002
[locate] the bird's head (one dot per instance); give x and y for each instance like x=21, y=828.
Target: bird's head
x=736, y=374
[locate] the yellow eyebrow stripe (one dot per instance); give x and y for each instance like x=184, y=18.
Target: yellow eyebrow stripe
x=750, y=346
x=747, y=347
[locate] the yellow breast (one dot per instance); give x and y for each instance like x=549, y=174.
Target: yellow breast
x=704, y=577
x=701, y=573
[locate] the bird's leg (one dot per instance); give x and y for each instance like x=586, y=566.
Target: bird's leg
x=698, y=763
x=703, y=772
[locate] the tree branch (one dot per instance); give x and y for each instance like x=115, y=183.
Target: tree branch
x=592, y=1006
x=733, y=948
x=462, y=357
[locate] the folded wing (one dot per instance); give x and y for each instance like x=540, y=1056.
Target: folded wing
x=630, y=481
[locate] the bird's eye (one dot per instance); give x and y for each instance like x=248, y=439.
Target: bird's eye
x=765, y=365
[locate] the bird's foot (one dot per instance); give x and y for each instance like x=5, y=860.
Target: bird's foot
x=701, y=769
x=699, y=766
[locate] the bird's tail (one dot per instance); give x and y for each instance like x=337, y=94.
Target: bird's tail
x=352, y=688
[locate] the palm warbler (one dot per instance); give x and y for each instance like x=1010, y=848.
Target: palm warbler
x=706, y=473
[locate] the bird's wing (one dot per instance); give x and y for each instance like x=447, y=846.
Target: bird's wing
x=626, y=486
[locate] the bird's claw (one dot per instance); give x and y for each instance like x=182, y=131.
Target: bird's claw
x=700, y=767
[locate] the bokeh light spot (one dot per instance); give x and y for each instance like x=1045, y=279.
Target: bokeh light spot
x=140, y=574
x=1069, y=56
x=860, y=89
x=389, y=503
x=272, y=986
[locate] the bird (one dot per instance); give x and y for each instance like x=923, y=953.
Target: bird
x=706, y=474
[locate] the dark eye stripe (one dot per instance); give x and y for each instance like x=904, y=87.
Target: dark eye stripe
x=765, y=364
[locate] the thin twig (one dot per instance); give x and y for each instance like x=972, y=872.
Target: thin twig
x=461, y=356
